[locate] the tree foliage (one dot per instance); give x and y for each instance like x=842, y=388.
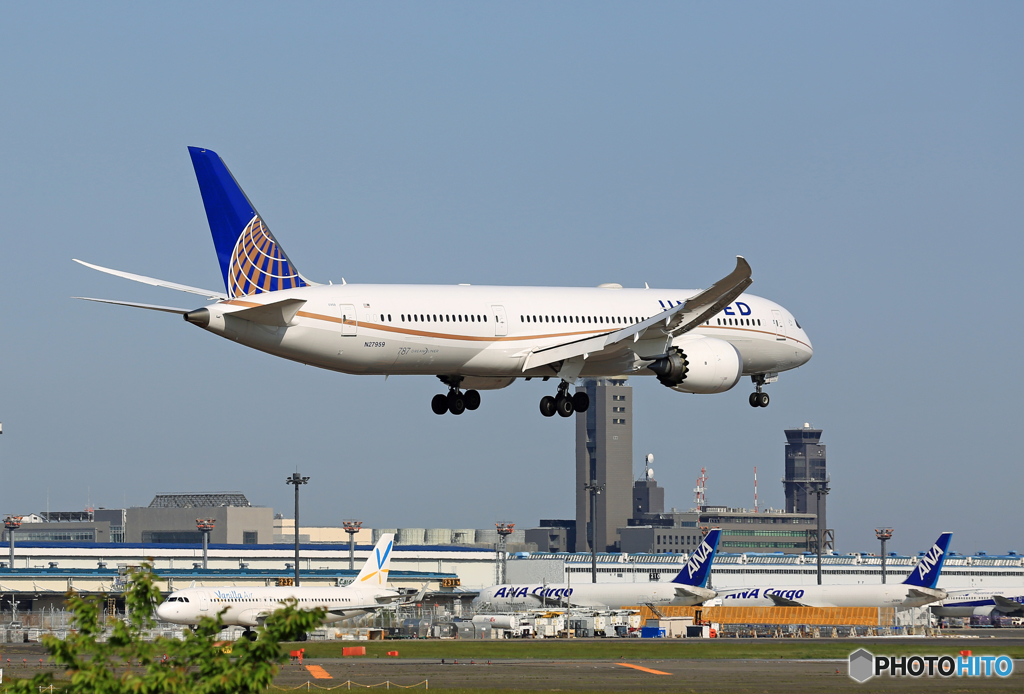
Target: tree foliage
x=124, y=662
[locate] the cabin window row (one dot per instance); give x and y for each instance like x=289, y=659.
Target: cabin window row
x=620, y=320
x=737, y=321
x=442, y=318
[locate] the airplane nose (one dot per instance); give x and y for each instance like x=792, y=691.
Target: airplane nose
x=163, y=611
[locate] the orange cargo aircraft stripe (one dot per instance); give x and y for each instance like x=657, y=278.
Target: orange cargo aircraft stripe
x=318, y=672
x=644, y=669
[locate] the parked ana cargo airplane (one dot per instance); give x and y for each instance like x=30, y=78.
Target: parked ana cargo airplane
x=250, y=606
x=687, y=588
x=982, y=602
x=479, y=337
x=919, y=589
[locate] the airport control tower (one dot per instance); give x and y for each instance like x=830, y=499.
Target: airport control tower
x=604, y=456
x=806, y=473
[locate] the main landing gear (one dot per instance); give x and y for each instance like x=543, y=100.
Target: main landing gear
x=455, y=401
x=758, y=398
x=249, y=634
x=563, y=403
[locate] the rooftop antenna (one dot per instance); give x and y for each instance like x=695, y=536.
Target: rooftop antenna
x=648, y=470
x=700, y=491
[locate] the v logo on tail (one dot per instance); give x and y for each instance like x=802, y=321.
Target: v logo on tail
x=926, y=573
x=375, y=570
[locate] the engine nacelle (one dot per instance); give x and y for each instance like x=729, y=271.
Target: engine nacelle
x=699, y=365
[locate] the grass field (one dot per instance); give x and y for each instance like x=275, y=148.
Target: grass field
x=636, y=649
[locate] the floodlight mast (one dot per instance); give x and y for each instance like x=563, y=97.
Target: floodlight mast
x=352, y=527
x=12, y=523
x=504, y=530
x=205, y=526
x=883, y=534
x=297, y=480
x=594, y=488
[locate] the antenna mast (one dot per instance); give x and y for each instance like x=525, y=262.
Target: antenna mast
x=755, y=489
x=700, y=491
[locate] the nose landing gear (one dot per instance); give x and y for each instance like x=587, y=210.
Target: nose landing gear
x=563, y=403
x=758, y=398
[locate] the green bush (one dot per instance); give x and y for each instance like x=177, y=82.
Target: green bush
x=195, y=665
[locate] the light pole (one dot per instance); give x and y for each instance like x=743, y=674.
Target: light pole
x=297, y=480
x=205, y=526
x=820, y=492
x=883, y=534
x=12, y=523
x=504, y=530
x=352, y=527
x=594, y=488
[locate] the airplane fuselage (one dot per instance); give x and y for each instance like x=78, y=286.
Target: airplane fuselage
x=485, y=333
x=968, y=603
x=881, y=595
x=248, y=606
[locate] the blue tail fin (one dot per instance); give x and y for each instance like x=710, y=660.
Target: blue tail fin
x=251, y=259
x=698, y=569
x=926, y=573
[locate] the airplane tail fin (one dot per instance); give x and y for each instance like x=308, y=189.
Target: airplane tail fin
x=926, y=573
x=251, y=259
x=698, y=569
x=375, y=570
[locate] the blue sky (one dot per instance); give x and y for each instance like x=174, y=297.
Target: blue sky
x=865, y=158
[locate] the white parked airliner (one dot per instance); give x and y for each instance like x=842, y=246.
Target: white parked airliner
x=480, y=337
x=917, y=590
x=689, y=587
x=249, y=606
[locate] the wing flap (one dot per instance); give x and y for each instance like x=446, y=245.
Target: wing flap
x=209, y=294
x=672, y=322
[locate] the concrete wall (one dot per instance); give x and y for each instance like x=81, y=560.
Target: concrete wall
x=230, y=523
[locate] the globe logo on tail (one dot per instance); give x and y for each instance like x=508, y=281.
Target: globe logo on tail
x=258, y=264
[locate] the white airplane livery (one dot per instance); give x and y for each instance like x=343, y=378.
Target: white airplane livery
x=477, y=338
x=982, y=602
x=917, y=590
x=687, y=588
x=250, y=606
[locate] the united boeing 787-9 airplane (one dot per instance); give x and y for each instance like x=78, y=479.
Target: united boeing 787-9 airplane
x=477, y=338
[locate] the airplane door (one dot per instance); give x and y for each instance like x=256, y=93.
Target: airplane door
x=349, y=320
x=780, y=325
x=500, y=323
x=203, y=607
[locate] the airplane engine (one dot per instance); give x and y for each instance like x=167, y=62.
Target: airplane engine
x=699, y=365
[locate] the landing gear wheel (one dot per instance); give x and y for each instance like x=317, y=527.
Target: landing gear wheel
x=249, y=634
x=564, y=406
x=456, y=405
x=439, y=404
x=581, y=402
x=472, y=399
x=547, y=406
x=762, y=399
x=754, y=399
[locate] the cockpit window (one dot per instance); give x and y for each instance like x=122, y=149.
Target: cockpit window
x=797, y=322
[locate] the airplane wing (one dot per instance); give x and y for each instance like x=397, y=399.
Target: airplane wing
x=342, y=611
x=932, y=594
x=695, y=593
x=155, y=282
x=783, y=602
x=672, y=322
x=1006, y=605
x=150, y=307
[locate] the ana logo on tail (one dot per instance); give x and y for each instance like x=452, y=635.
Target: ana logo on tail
x=926, y=573
x=699, y=564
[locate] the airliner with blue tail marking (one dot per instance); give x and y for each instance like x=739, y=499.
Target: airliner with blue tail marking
x=689, y=587
x=917, y=590
x=249, y=606
x=477, y=338
x=982, y=602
